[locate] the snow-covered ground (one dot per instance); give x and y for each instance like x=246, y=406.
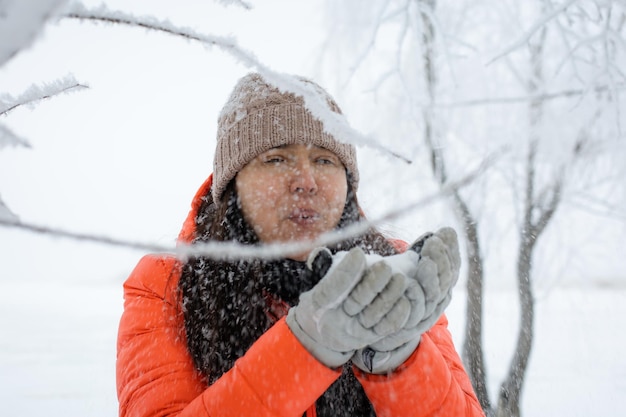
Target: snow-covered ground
x=57, y=352
x=57, y=349
x=577, y=366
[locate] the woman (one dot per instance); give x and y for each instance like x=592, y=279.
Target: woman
x=342, y=334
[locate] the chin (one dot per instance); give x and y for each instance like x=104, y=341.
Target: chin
x=299, y=257
x=302, y=256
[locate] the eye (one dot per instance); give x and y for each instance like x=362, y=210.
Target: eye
x=327, y=160
x=273, y=159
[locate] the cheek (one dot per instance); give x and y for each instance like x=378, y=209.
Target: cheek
x=257, y=198
x=338, y=207
x=336, y=197
x=254, y=203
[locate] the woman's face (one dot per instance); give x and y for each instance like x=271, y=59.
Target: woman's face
x=293, y=192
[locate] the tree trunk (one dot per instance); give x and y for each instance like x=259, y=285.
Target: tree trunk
x=473, y=356
x=472, y=347
x=511, y=388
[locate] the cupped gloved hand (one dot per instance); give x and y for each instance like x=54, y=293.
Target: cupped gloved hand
x=440, y=258
x=431, y=266
x=349, y=308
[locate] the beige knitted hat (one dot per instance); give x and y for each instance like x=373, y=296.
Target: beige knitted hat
x=258, y=117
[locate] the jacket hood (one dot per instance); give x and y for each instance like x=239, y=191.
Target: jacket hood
x=188, y=232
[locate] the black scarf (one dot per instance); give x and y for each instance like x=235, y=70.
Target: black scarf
x=226, y=311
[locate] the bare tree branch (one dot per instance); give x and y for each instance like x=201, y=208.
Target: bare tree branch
x=528, y=98
x=598, y=207
x=104, y=15
x=370, y=44
x=22, y=22
x=87, y=237
x=239, y=3
x=221, y=250
x=428, y=11
x=6, y=214
x=37, y=93
x=333, y=123
x=539, y=24
x=8, y=138
x=546, y=213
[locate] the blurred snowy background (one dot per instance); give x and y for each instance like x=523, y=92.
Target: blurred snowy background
x=123, y=158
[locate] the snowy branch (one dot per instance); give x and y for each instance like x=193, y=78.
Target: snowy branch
x=8, y=138
x=540, y=97
x=547, y=212
x=228, y=250
x=6, y=214
x=21, y=22
x=239, y=3
x=358, y=62
x=37, y=93
x=56, y=232
x=333, y=123
x=598, y=206
x=523, y=40
x=429, y=12
x=104, y=15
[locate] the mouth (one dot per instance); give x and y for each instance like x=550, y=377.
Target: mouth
x=303, y=216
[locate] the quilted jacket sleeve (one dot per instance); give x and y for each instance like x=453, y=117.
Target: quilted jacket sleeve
x=432, y=382
x=156, y=376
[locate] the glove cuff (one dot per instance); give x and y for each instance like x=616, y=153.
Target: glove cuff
x=381, y=362
x=328, y=357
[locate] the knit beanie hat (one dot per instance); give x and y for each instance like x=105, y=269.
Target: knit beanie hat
x=258, y=117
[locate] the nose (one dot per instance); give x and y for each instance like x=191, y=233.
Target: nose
x=303, y=179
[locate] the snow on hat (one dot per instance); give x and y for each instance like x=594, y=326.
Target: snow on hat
x=258, y=117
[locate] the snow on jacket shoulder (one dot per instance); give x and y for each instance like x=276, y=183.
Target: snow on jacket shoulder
x=275, y=377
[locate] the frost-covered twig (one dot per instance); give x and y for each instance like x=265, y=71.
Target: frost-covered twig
x=104, y=15
x=598, y=206
x=221, y=250
x=8, y=138
x=56, y=232
x=37, y=93
x=239, y=3
x=429, y=12
x=522, y=40
x=6, y=214
x=522, y=99
x=369, y=45
x=21, y=22
x=334, y=124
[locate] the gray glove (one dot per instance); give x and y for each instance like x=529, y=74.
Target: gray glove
x=349, y=308
x=432, y=277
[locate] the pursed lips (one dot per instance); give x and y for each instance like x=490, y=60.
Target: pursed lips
x=303, y=216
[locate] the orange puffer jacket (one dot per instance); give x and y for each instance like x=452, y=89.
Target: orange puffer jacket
x=276, y=377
